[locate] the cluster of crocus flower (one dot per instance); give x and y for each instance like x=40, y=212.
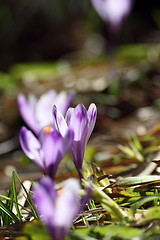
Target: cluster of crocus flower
x=57, y=129
x=68, y=132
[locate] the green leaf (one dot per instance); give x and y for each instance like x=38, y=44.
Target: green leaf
x=126, y=150
x=28, y=198
x=7, y=211
x=141, y=202
x=132, y=181
x=35, y=230
x=110, y=205
x=109, y=230
x=137, y=143
x=15, y=198
x=153, y=233
x=150, y=214
x=38, y=71
x=137, y=154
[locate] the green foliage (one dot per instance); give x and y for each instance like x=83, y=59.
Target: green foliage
x=35, y=231
x=110, y=231
x=152, y=213
x=110, y=205
x=11, y=209
x=38, y=71
x=7, y=83
x=6, y=214
x=28, y=197
x=132, y=181
x=136, y=149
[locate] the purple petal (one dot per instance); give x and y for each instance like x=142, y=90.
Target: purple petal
x=64, y=101
x=82, y=122
x=44, y=198
x=53, y=149
x=92, y=115
x=43, y=111
x=26, y=109
x=68, y=140
x=113, y=11
x=68, y=204
x=79, y=121
x=59, y=121
x=77, y=152
x=31, y=146
x=68, y=115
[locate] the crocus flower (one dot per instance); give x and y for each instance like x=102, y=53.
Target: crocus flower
x=82, y=122
x=58, y=209
x=38, y=113
x=48, y=150
x=113, y=11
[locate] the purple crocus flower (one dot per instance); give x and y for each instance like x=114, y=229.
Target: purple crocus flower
x=48, y=150
x=113, y=11
x=82, y=122
x=38, y=113
x=58, y=209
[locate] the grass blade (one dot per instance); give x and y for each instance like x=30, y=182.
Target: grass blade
x=7, y=211
x=28, y=198
x=15, y=198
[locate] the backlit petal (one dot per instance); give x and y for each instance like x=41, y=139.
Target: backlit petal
x=68, y=203
x=43, y=111
x=59, y=121
x=113, y=11
x=53, y=150
x=64, y=101
x=31, y=146
x=44, y=197
x=79, y=121
x=92, y=115
x=27, y=111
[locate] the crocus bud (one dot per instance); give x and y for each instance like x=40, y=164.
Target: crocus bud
x=113, y=12
x=82, y=122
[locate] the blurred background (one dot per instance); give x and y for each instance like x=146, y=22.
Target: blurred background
x=46, y=30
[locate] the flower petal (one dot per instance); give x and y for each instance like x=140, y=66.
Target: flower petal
x=53, y=149
x=64, y=101
x=92, y=115
x=113, y=11
x=68, y=115
x=68, y=140
x=79, y=121
x=68, y=204
x=59, y=121
x=43, y=111
x=77, y=152
x=26, y=109
x=44, y=197
x=31, y=146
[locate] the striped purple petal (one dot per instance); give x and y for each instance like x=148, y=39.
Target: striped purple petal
x=31, y=146
x=27, y=109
